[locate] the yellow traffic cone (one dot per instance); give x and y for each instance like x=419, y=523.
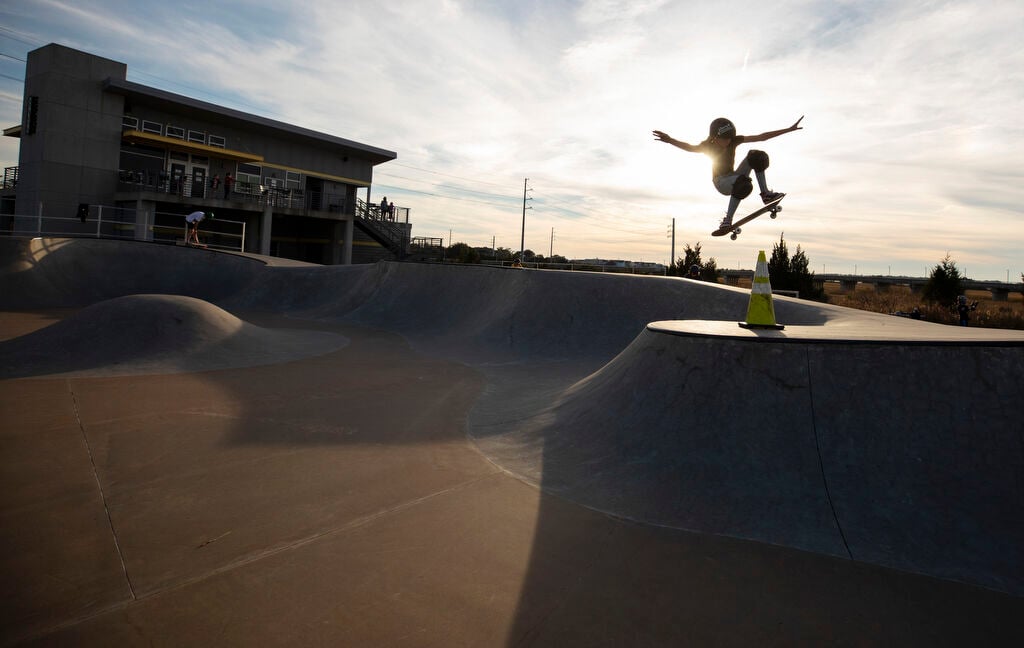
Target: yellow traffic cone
x=760, y=312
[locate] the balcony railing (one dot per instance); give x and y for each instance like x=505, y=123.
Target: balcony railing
x=245, y=192
x=10, y=177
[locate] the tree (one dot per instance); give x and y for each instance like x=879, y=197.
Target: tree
x=944, y=284
x=793, y=274
x=779, y=266
x=462, y=253
x=692, y=257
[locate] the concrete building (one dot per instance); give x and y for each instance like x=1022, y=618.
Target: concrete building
x=103, y=156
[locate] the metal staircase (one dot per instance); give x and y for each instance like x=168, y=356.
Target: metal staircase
x=383, y=228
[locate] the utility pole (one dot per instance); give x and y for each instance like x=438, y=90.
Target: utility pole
x=522, y=239
x=672, y=233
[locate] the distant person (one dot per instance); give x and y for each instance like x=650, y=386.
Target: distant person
x=383, y=207
x=694, y=272
x=963, y=309
x=229, y=186
x=215, y=182
x=720, y=146
x=391, y=211
x=192, y=224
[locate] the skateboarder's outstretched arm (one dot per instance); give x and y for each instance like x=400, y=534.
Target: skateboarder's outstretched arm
x=665, y=137
x=775, y=133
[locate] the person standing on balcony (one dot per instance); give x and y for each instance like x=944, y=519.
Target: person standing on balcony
x=229, y=185
x=383, y=207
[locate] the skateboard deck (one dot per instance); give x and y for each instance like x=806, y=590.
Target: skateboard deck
x=734, y=230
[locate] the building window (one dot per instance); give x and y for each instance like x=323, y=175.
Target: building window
x=292, y=180
x=216, y=140
x=198, y=137
x=176, y=132
x=152, y=127
x=248, y=178
x=130, y=123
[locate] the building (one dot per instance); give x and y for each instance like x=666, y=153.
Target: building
x=103, y=156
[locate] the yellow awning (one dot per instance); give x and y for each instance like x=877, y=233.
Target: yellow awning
x=189, y=147
x=214, y=151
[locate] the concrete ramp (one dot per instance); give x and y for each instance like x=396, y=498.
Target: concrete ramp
x=901, y=454
x=65, y=273
x=850, y=434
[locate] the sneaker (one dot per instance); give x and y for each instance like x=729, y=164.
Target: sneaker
x=769, y=196
x=726, y=222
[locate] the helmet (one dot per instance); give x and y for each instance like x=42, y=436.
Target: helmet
x=721, y=127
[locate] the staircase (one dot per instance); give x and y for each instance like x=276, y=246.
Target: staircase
x=394, y=236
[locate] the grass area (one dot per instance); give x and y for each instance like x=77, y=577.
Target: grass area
x=1007, y=314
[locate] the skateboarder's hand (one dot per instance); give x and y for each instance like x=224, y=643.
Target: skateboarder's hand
x=663, y=137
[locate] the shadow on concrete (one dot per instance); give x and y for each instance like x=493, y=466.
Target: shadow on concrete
x=559, y=383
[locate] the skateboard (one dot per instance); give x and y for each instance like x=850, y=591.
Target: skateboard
x=734, y=230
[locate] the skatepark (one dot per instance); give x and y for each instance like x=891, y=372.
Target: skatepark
x=207, y=448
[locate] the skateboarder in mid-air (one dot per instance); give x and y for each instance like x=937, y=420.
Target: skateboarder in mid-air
x=720, y=146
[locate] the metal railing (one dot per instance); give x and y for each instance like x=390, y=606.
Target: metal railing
x=103, y=221
x=247, y=192
x=385, y=225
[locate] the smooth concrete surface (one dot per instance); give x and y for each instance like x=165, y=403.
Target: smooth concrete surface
x=285, y=454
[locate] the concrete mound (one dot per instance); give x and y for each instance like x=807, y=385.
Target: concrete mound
x=153, y=334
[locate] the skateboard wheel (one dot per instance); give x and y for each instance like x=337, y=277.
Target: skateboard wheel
x=733, y=235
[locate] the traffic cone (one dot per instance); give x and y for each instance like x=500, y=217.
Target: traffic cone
x=760, y=312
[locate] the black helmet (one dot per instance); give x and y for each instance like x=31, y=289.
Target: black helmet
x=721, y=127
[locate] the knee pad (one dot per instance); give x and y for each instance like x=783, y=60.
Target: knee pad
x=742, y=187
x=758, y=160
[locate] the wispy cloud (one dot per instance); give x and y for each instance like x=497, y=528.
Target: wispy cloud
x=909, y=147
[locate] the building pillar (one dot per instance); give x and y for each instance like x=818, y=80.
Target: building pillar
x=265, y=229
x=346, y=246
x=145, y=217
x=336, y=243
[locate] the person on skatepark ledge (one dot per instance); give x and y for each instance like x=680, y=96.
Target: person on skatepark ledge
x=720, y=146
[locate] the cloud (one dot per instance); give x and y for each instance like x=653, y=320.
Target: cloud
x=909, y=141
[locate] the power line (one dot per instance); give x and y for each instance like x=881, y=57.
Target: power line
x=408, y=166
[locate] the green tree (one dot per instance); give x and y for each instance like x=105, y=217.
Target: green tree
x=779, y=265
x=528, y=256
x=945, y=283
x=793, y=273
x=692, y=257
x=462, y=253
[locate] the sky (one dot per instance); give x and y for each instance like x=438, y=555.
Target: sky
x=910, y=150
